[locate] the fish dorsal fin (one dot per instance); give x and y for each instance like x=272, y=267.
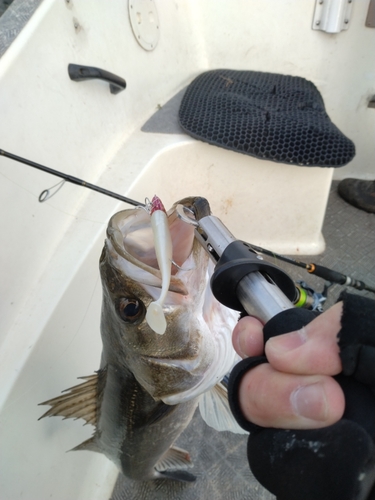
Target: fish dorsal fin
x=215, y=411
x=80, y=401
x=175, y=459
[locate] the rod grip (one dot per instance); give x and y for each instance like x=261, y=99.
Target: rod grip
x=327, y=274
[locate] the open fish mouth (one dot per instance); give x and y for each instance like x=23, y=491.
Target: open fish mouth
x=195, y=352
x=131, y=237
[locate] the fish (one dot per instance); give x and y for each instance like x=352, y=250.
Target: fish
x=148, y=385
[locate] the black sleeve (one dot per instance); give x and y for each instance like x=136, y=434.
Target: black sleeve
x=336, y=462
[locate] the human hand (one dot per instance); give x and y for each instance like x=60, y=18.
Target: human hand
x=295, y=389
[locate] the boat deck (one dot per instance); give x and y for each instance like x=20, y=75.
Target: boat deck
x=220, y=458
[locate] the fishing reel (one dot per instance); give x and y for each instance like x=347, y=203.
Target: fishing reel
x=308, y=298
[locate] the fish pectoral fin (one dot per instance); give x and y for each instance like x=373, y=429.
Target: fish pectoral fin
x=80, y=401
x=174, y=459
x=215, y=411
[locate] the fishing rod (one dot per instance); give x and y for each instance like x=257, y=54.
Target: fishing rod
x=320, y=271
x=44, y=195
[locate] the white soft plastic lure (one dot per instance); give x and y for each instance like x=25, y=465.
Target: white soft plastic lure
x=163, y=249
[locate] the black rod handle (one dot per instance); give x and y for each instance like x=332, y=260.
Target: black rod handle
x=79, y=73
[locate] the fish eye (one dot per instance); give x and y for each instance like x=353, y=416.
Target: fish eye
x=130, y=310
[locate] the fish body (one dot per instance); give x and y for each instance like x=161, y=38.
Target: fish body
x=149, y=385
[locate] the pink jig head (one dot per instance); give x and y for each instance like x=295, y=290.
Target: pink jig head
x=156, y=204
x=163, y=249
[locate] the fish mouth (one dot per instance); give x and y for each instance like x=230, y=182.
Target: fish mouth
x=132, y=249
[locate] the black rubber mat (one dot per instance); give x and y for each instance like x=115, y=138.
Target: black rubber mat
x=270, y=116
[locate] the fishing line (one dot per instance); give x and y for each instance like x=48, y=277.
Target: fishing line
x=58, y=355
x=18, y=185
x=83, y=317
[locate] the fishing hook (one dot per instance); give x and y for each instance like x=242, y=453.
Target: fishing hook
x=47, y=194
x=182, y=213
x=147, y=206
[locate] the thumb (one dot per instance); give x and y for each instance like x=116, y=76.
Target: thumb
x=311, y=350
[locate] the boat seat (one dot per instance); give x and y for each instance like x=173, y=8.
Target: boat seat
x=270, y=116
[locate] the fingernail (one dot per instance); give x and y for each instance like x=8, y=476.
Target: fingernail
x=288, y=341
x=310, y=402
x=242, y=342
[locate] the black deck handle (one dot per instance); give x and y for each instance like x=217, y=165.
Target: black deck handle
x=79, y=73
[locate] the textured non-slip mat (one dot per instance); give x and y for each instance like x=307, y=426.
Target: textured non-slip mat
x=270, y=116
